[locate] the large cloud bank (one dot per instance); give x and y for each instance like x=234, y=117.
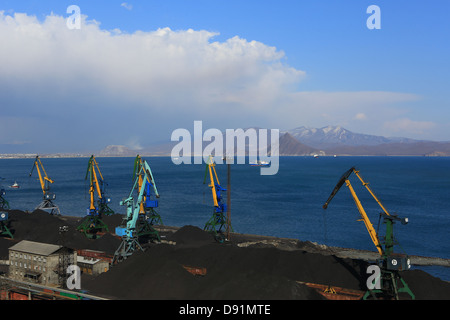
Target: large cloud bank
x=75, y=85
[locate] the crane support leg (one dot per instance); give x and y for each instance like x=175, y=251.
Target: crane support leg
x=4, y=230
x=216, y=224
x=126, y=249
x=390, y=287
x=91, y=225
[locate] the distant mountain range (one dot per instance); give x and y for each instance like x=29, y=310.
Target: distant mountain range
x=336, y=140
x=330, y=140
x=333, y=136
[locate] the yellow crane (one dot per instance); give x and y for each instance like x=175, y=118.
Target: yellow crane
x=48, y=197
x=219, y=219
x=92, y=223
x=390, y=264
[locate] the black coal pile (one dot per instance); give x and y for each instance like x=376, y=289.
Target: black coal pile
x=425, y=286
x=191, y=236
x=40, y=226
x=232, y=271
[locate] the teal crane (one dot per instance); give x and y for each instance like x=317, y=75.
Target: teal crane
x=136, y=223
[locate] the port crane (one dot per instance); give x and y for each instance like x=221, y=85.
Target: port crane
x=147, y=205
x=137, y=224
x=48, y=197
x=389, y=263
x=219, y=219
x=4, y=230
x=4, y=204
x=92, y=223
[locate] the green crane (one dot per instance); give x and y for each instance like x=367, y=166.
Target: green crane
x=389, y=263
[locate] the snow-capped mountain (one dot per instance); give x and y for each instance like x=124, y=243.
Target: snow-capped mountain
x=332, y=136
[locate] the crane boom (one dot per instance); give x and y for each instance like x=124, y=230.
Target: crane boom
x=133, y=209
x=389, y=262
x=373, y=234
x=366, y=184
x=96, y=184
x=215, y=186
x=93, y=180
x=218, y=220
x=338, y=186
x=345, y=180
x=45, y=182
x=92, y=223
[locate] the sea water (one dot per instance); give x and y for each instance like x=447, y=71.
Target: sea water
x=288, y=204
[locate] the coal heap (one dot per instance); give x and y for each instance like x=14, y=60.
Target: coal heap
x=251, y=272
x=234, y=272
x=40, y=226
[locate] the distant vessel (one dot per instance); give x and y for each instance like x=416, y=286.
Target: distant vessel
x=259, y=163
x=15, y=185
x=316, y=156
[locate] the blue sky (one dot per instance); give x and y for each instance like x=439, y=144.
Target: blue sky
x=275, y=64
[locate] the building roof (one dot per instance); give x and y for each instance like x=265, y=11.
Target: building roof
x=39, y=248
x=81, y=259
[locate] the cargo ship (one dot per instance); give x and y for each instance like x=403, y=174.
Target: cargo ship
x=260, y=163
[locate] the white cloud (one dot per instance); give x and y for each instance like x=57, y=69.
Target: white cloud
x=149, y=83
x=360, y=116
x=406, y=125
x=126, y=5
x=322, y=108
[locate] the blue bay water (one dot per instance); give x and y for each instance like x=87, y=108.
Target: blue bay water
x=288, y=204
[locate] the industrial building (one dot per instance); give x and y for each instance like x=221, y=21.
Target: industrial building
x=41, y=263
x=93, y=262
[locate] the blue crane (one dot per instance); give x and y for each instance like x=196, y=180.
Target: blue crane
x=137, y=223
